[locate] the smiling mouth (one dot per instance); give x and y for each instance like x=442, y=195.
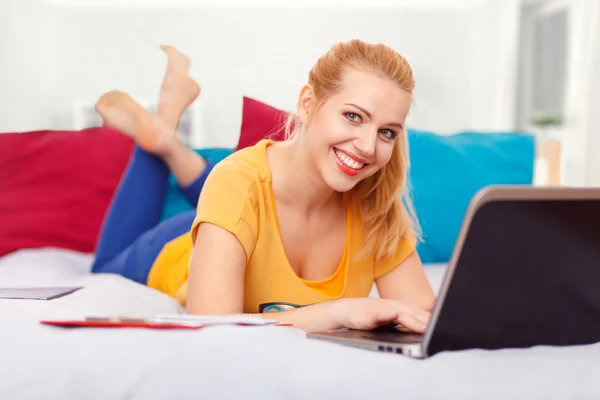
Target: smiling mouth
x=348, y=161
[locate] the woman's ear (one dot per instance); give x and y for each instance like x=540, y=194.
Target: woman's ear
x=306, y=101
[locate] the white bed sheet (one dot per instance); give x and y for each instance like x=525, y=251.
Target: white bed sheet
x=102, y=294
x=43, y=362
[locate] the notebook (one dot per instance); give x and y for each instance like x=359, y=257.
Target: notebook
x=36, y=293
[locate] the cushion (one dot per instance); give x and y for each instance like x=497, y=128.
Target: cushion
x=175, y=202
x=446, y=171
x=260, y=120
x=55, y=186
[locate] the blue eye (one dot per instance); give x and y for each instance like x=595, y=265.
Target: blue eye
x=352, y=116
x=388, y=134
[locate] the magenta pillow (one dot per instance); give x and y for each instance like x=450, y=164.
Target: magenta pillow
x=55, y=186
x=259, y=121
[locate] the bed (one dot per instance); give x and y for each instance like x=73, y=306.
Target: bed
x=44, y=362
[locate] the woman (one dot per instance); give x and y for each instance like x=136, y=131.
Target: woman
x=309, y=224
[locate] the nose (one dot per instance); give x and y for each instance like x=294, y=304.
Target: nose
x=365, y=143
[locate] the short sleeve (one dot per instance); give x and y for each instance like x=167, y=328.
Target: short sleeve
x=405, y=248
x=228, y=200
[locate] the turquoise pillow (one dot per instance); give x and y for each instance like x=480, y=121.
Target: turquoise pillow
x=175, y=202
x=446, y=171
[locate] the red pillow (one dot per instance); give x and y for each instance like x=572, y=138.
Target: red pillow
x=56, y=186
x=259, y=121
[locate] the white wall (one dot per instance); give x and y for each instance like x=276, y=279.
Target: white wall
x=493, y=65
x=593, y=123
x=28, y=65
x=262, y=53
x=583, y=102
x=581, y=141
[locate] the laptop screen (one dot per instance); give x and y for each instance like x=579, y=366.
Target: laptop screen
x=528, y=274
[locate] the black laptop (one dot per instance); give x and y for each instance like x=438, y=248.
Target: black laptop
x=525, y=271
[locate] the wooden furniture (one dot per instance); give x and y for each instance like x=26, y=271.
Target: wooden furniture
x=548, y=157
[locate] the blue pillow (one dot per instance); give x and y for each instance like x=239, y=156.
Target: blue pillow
x=446, y=171
x=175, y=202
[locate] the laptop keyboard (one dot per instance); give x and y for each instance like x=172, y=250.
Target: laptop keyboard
x=404, y=338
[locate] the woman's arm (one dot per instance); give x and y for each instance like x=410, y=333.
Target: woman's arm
x=217, y=268
x=216, y=287
x=216, y=282
x=408, y=282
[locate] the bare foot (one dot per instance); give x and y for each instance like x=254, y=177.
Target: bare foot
x=178, y=89
x=123, y=113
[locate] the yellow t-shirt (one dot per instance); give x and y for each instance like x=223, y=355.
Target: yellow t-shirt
x=237, y=196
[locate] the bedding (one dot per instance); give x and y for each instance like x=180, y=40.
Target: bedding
x=44, y=362
x=39, y=361
x=102, y=295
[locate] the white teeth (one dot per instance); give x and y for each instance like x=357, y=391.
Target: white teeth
x=347, y=160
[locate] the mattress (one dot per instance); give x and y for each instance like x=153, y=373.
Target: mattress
x=44, y=362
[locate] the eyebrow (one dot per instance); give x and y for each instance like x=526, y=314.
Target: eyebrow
x=368, y=114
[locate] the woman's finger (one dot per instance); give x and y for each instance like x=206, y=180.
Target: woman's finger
x=410, y=322
x=430, y=307
x=383, y=317
x=421, y=315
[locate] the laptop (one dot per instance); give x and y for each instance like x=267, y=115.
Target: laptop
x=525, y=271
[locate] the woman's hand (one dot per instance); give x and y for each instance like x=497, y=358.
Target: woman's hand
x=366, y=314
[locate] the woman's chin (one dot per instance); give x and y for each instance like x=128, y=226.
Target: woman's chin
x=341, y=183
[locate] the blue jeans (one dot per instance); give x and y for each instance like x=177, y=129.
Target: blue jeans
x=132, y=236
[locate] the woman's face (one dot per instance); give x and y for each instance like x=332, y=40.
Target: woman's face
x=352, y=135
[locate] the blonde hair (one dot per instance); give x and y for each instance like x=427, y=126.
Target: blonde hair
x=382, y=199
